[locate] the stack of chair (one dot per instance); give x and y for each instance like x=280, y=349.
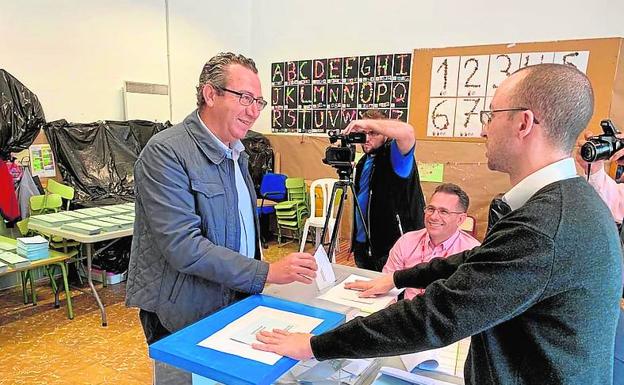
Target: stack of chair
x=272, y=190
x=291, y=214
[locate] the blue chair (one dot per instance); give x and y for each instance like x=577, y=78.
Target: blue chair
x=272, y=188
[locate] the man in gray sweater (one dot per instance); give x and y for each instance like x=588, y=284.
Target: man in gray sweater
x=540, y=295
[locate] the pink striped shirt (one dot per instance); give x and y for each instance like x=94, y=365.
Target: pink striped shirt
x=416, y=247
x=611, y=193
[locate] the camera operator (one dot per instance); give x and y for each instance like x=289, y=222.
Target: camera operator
x=388, y=189
x=611, y=192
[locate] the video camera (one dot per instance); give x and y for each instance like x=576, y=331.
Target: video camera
x=342, y=155
x=602, y=147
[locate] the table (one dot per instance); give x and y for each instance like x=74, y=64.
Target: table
x=307, y=294
x=88, y=241
x=56, y=258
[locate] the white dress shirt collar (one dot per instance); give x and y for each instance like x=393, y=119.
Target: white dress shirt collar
x=527, y=187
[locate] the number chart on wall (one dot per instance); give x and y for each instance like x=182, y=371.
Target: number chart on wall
x=462, y=86
x=317, y=95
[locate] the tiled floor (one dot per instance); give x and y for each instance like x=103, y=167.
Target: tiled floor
x=39, y=345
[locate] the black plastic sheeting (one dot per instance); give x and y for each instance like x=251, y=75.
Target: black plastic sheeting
x=260, y=156
x=21, y=115
x=97, y=159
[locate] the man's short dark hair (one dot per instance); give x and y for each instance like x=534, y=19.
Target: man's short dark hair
x=453, y=189
x=374, y=114
x=560, y=96
x=215, y=72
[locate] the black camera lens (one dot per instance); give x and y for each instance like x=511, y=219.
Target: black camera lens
x=592, y=151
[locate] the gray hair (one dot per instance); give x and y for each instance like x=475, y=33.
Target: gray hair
x=562, y=99
x=215, y=72
x=453, y=189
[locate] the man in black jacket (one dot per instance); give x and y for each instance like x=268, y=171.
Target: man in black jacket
x=387, y=187
x=540, y=296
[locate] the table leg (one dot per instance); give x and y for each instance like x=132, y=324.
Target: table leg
x=89, y=248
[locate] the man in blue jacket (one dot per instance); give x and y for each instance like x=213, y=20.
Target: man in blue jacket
x=195, y=248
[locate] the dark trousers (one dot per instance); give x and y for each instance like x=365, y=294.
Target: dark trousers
x=152, y=328
x=365, y=261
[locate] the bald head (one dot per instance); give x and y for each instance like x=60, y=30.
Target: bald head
x=560, y=96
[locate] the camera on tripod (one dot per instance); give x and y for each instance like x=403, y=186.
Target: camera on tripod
x=342, y=155
x=602, y=147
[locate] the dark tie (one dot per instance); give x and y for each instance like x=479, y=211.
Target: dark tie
x=498, y=209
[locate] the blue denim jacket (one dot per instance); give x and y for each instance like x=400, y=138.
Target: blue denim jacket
x=183, y=265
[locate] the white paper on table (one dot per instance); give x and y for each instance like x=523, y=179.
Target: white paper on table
x=235, y=338
x=33, y=240
x=441, y=360
x=338, y=294
x=411, y=377
x=325, y=276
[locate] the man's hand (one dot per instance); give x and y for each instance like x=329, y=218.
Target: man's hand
x=374, y=287
x=300, y=267
x=293, y=345
x=618, y=156
x=595, y=166
x=390, y=128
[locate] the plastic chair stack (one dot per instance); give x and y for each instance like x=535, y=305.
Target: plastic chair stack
x=292, y=213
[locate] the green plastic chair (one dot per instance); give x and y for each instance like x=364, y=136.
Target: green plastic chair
x=44, y=204
x=66, y=192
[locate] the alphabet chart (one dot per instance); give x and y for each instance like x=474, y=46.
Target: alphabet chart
x=317, y=95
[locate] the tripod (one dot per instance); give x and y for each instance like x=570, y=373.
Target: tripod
x=344, y=181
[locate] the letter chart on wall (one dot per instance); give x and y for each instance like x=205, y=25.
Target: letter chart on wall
x=324, y=94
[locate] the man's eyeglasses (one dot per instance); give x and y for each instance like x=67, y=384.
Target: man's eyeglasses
x=486, y=115
x=442, y=212
x=246, y=99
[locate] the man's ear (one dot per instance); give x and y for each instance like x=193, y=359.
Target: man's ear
x=209, y=93
x=461, y=218
x=526, y=124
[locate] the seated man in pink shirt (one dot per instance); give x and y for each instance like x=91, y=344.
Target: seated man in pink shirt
x=441, y=236
x=611, y=192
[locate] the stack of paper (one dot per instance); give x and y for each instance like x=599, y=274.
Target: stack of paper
x=104, y=225
x=5, y=246
x=117, y=209
x=33, y=248
x=14, y=260
x=3, y=266
x=81, y=228
x=94, y=212
x=338, y=294
x=125, y=217
x=51, y=220
x=120, y=223
x=76, y=215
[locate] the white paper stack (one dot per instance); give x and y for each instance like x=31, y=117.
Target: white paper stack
x=33, y=248
x=81, y=228
x=14, y=260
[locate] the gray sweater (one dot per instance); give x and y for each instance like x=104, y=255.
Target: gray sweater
x=539, y=298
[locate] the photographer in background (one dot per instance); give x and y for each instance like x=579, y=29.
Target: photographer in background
x=610, y=191
x=387, y=187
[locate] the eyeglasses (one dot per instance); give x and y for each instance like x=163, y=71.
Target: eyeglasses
x=486, y=115
x=246, y=99
x=444, y=213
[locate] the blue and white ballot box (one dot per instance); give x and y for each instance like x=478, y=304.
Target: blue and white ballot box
x=218, y=346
